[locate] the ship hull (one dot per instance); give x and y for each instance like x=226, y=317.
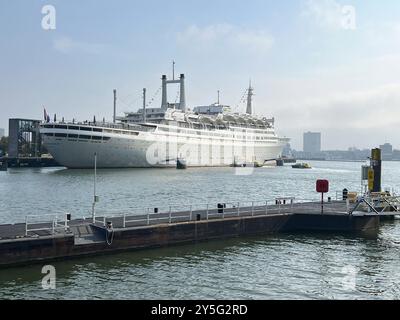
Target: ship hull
x=150, y=150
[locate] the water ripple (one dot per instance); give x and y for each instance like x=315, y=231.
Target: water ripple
x=296, y=266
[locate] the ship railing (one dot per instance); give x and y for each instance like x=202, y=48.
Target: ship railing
x=50, y=223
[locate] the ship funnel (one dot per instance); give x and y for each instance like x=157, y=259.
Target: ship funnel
x=182, y=100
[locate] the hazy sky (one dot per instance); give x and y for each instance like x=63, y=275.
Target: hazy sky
x=313, y=66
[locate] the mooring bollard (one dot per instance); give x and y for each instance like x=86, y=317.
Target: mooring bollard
x=345, y=194
x=26, y=226
x=67, y=218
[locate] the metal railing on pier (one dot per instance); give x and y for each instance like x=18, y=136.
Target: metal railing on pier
x=186, y=213
x=145, y=216
x=60, y=222
x=376, y=204
x=47, y=223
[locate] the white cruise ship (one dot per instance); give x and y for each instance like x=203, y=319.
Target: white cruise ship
x=157, y=137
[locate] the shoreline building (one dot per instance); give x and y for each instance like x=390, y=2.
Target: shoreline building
x=387, y=151
x=312, y=142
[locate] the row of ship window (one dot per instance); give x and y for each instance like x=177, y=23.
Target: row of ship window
x=76, y=136
x=72, y=128
x=209, y=133
x=136, y=133
x=90, y=129
x=211, y=127
x=69, y=127
x=84, y=137
x=229, y=136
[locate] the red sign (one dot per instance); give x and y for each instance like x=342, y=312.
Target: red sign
x=322, y=186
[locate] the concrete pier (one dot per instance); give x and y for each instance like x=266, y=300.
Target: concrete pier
x=25, y=243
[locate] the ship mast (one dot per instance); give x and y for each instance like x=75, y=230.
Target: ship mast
x=144, y=105
x=250, y=94
x=115, y=105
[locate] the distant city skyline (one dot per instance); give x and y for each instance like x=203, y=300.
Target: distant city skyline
x=351, y=154
x=309, y=69
x=384, y=146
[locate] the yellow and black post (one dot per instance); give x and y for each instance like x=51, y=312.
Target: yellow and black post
x=370, y=179
x=376, y=166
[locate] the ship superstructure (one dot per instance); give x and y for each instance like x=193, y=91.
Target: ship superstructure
x=210, y=135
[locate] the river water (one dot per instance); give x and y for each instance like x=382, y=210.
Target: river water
x=297, y=266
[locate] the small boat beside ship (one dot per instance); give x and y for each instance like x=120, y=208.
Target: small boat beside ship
x=181, y=164
x=301, y=166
